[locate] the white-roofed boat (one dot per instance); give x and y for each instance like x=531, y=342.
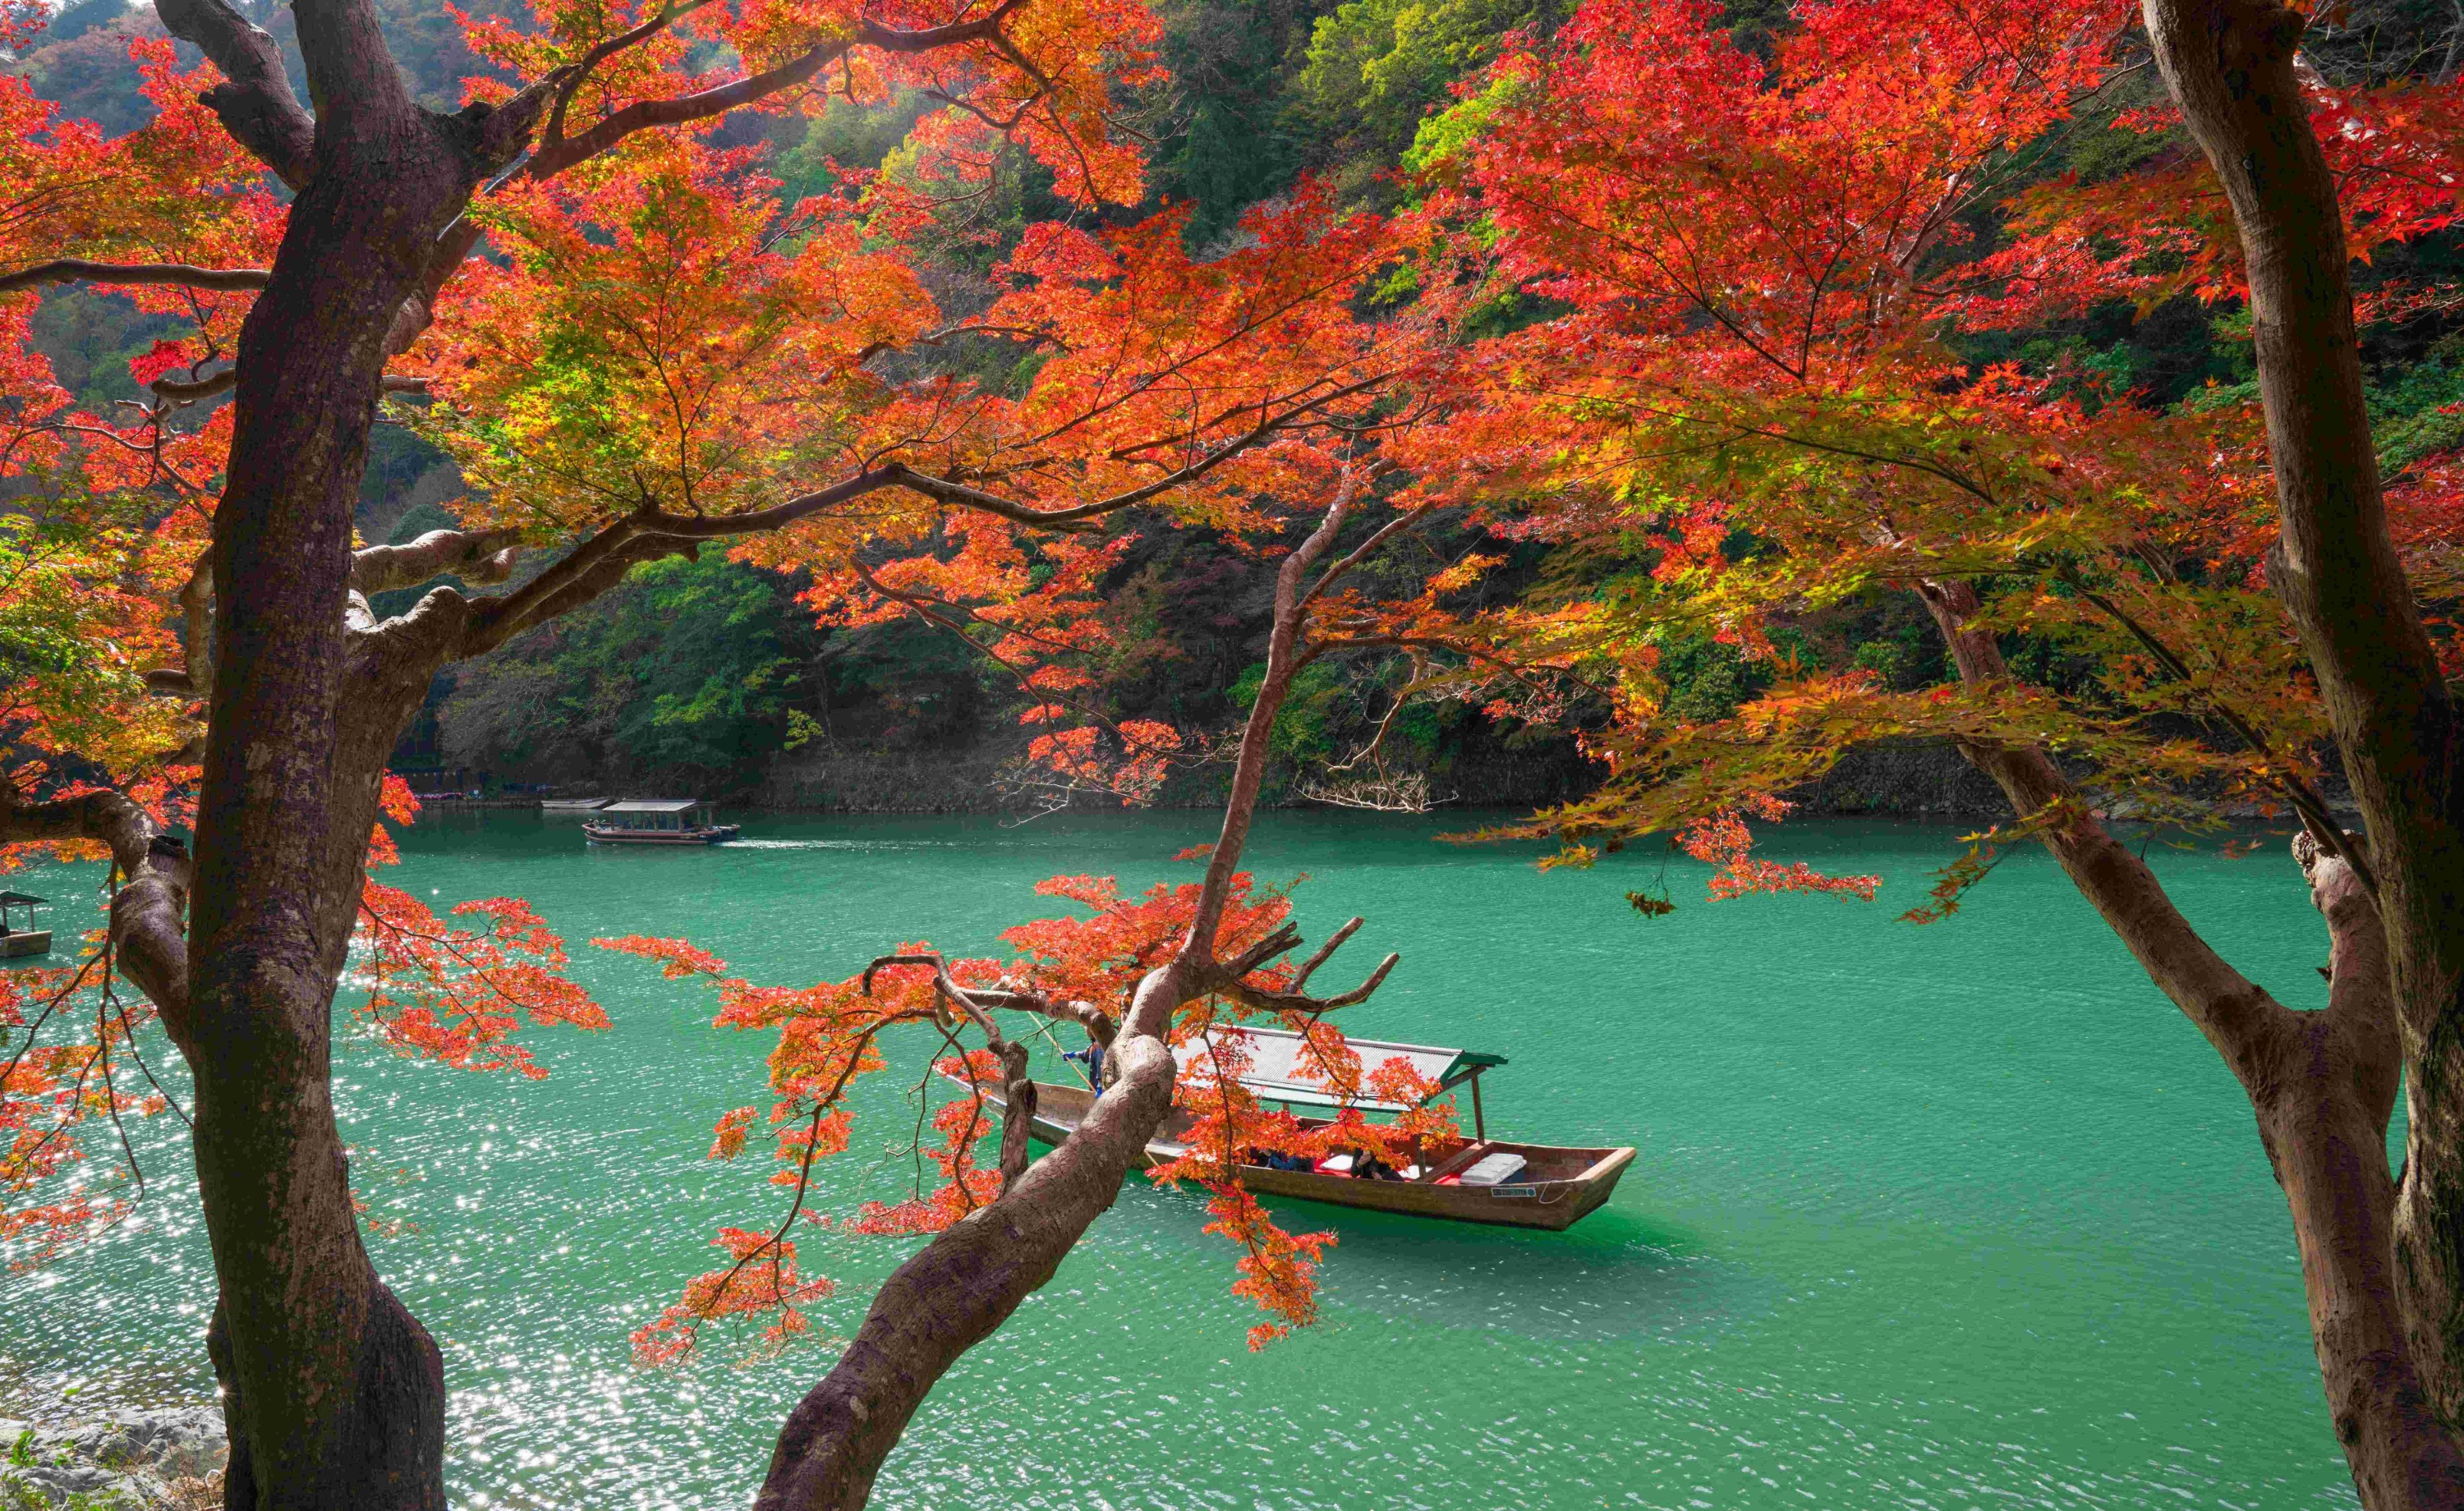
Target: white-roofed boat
x=29, y=940
x=1479, y=1180
x=656, y=821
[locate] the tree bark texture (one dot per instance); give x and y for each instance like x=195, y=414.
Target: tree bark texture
x=2323, y=1102
x=334, y=1393
x=2230, y=65
x=965, y=1284
x=2322, y=1085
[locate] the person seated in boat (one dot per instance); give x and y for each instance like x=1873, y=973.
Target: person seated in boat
x=1359, y=1163
x=1367, y=1166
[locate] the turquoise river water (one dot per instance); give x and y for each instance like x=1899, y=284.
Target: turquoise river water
x=1957, y=1217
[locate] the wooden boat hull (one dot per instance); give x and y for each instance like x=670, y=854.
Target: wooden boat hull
x=33, y=942
x=718, y=834
x=1553, y=1205
x=1566, y=1185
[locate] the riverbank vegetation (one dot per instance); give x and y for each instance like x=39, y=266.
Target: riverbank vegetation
x=1671, y=398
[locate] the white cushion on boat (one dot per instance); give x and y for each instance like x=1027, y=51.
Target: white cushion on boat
x=1493, y=1169
x=1338, y=1165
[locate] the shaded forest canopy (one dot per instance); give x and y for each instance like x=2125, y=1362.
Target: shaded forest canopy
x=712, y=674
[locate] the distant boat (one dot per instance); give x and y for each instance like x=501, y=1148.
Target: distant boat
x=1478, y=1179
x=29, y=940
x=656, y=821
x=572, y=805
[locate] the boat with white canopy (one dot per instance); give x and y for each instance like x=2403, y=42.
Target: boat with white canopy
x=656, y=821
x=1479, y=1180
x=29, y=940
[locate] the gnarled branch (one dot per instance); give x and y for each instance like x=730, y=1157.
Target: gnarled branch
x=645, y=534
x=475, y=556
x=78, y=270
x=177, y=390
x=2240, y=1018
x=967, y=1282
x=1297, y=1001
x=256, y=105
x=150, y=912
x=951, y=991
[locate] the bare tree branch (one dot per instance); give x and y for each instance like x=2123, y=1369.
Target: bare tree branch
x=966, y=1282
x=178, y=390
x=1325, y=952
x=76, y=270
x=1283, y=657
x=475, y=556
x=1268, y=1000
x=150, y=912
x=599, y=562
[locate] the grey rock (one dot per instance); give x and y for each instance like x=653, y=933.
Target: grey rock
x=124, y=1458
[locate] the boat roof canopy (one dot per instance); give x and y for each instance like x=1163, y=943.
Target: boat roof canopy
x=652, y=806
x=22, y=900
x=1275, y=1073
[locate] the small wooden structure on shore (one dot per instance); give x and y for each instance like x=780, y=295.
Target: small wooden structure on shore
x=656, y=821
x=1479, y=1180
x=29, y=940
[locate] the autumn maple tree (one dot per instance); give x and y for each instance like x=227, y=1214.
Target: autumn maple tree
x=1762, y=368
x=635, y=348
x=1662, y=299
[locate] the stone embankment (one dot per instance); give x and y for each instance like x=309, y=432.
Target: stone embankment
x=169, y=1460
x=992, y=779
x=1910, y=779
x=1920, y=778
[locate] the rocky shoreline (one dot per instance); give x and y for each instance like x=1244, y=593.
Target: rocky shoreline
x=986, y=781
x=167, y=1460
x=1911, y=778
x=1916, y=778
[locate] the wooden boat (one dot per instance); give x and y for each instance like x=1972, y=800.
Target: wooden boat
x=1556, y=1188
x=656, y=821
x=29, y=940
x=572, y=805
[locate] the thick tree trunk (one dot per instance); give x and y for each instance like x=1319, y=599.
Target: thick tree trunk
x=2320, y=1085
x=2323, y=1100
x=334, y=1395
x=2324, y=1119
x=965, y=1284
x=2230, y=65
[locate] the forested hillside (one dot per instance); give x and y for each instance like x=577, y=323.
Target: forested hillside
x=711, y=673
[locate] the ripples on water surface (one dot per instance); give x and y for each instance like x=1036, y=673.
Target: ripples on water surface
x=1945, y=1217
